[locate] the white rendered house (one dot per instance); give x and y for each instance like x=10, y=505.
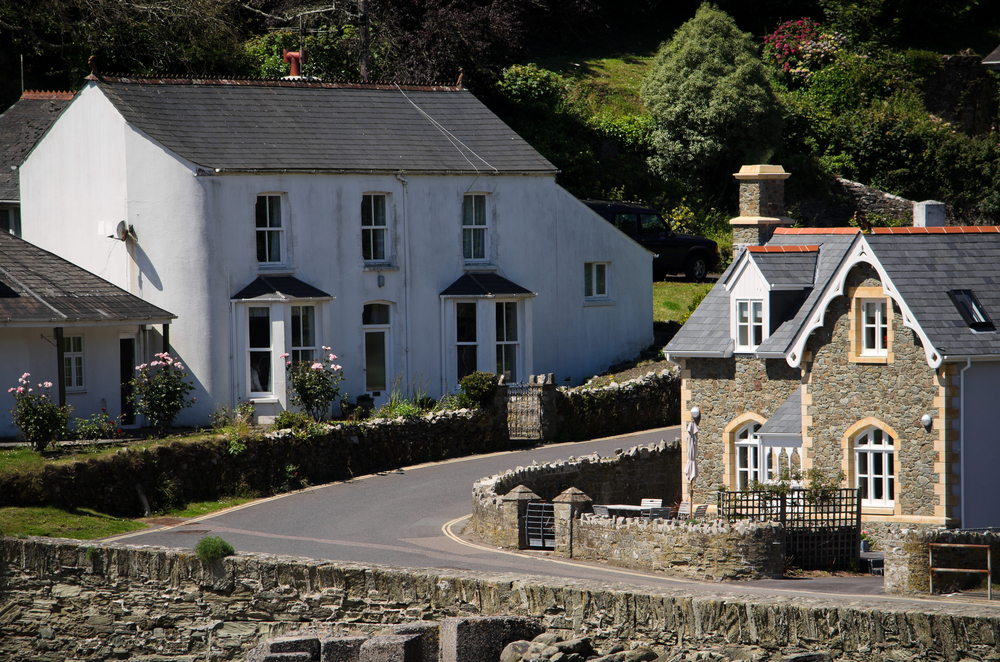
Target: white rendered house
x=405, y=227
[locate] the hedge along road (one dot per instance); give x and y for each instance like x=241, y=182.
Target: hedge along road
x=413, y=517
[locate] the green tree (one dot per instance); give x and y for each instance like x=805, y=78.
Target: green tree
x=713, y=104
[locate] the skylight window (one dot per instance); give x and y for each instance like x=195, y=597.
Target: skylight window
x=972, y=311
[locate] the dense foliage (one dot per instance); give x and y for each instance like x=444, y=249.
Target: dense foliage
x=315, y=385
x=213, y=548
x=159, y=391
x=712, y=101
x=39, y=418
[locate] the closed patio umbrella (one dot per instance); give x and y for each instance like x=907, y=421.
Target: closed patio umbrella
x=691, y=468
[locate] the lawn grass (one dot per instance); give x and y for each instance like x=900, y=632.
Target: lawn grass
x=53, y=522
x=199, y=508
x=603, y=85
x=672, y=298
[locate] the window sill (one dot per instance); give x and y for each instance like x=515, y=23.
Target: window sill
x=263, y=399
x=275, y=269
x=377, y=267
x=75, y=391
x=597, y=303
x=479, y=266
x=878, y=510
x=872, y=358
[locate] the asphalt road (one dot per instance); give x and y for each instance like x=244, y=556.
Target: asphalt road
x=413, y=518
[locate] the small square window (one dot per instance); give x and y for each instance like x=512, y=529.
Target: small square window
x=595, y=277
x=749, y=324
x=874, y=329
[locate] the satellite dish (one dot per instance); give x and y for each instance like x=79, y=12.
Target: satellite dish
x=121, y=231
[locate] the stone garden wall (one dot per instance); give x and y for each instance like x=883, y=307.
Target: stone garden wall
x=906, y=559
x=63, y=600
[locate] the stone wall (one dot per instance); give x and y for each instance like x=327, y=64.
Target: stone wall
x=647, y=402
x=906, y=559
x=868, y=200
x=707, y=551
x=725, y=390
x=60, y=601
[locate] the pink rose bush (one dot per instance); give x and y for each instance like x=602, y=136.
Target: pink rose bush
x=37, y=415
x=314, y=385
x=159, y=391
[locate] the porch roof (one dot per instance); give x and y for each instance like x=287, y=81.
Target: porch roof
x=279, y=288
x=485, y=285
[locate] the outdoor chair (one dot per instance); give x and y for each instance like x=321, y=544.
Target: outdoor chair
x=700, y=511
x=601, y=511
x=652, y=503
x=684, y=511
x=661, y=513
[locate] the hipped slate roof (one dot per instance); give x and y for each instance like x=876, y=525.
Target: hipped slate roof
x=310, y=126
x=38, y=288
x=484, y=284
x=787, y=420
x=21, y=126
x=279, y=288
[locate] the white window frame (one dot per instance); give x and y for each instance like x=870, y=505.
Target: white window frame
x=301, y=350
x=372, y=229
x=877, y=345
x=459, y=343
x=875, y=466
x=386, y=330
x=596, y=274
x=475, y=227
x=252, y=349
x=746, y=446
x=269, y=229
x=73, y=361
x=749, y=324
x=504, y=343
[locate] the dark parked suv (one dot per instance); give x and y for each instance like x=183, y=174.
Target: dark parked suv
x=695, y=256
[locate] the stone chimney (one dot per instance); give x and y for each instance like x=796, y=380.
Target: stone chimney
x=928, y=214
x=762, y=205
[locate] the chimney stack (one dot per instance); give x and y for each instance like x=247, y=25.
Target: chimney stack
x=295, y=58
x=928, y=214
x=762, y=205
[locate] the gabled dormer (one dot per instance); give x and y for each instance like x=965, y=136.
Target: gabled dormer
x=766, y=288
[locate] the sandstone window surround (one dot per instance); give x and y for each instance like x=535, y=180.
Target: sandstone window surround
x=749, y=315
x=875, y=467
x=739, y=449
x=871, y=333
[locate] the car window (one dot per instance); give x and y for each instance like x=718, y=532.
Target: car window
x=627, y=223
x=652, y=224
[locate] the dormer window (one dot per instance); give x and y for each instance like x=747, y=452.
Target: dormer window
x=749, y=324
x=971, y=310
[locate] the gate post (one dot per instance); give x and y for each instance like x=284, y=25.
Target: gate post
x=567, y=507
x=549, y=415
x=513, y=509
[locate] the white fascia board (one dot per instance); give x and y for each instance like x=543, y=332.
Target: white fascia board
x=970, y=357
x=737, y=272
x=48, y=324
x=861, y=252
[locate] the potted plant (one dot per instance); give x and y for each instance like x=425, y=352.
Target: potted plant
x=867, y=541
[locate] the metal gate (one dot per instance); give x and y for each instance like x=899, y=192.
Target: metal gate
x=540, y=525
x=524, y=411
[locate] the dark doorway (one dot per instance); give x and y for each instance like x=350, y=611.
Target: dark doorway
x=126, y=372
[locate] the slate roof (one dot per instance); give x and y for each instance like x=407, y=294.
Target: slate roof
x=780, y=269
x=21, y=127
x=992, y=61
x=38, y=288
x=279, y=288
x=484, y=284
x=925, y=266
x=250, y=125
x=706, y=333
x=786, y=420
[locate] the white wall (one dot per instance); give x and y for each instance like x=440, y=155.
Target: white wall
x=196, y=249
x=25, y=350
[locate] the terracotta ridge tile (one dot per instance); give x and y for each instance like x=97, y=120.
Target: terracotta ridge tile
x=816, y=231
x=269, y=82
x=47, y=94
x=956, y=229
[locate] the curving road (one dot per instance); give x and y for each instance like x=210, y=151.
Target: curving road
x=413, y=517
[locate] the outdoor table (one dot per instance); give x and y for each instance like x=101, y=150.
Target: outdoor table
x=625, y=510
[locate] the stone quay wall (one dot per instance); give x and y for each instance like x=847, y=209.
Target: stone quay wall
x=62, y=600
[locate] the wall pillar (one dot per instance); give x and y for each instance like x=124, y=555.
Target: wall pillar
x=513, y=510
x=568, y=506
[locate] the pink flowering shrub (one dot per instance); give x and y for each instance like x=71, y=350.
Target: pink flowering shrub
x=36, y=415
x=159, y=391
x=314, y=384
x=799, y=47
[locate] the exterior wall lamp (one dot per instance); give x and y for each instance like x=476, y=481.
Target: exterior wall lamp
x=926, y=421
x=695, y=413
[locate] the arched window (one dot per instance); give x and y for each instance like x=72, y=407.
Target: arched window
x=875, y=467
x=747, y=453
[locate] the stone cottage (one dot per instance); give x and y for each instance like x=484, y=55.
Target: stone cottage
x=871, y=354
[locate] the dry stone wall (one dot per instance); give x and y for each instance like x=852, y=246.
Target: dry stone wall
x=906, y=559
x=59, y=601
